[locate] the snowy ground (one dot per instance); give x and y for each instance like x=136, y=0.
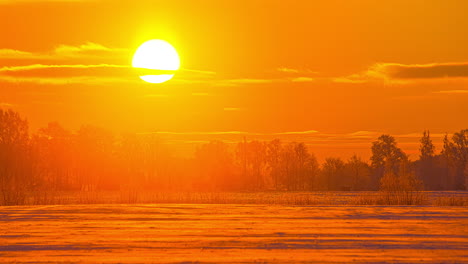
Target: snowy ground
x=181, y=233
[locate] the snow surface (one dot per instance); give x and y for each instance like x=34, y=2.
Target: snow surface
x=182, y=233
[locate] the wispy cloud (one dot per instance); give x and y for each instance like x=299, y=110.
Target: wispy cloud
x=87, y=73
x=295, y=71
x=241, y=81
x=302, y=79
x=360, y=139
x=210, y=73
x=6, y=105
x=15, y=54
x=238, y=133
x=87, y=63
x=404, y=73
x=27, y=68
x=64, y=74
x=88, y=80
x=288, y=70
x=296, y=132
x=452, y=92
x=251, y=81
x=88, y=49
x=420, y=71
x=67, y=52
x=10, y=2
x=354, y=78
x=198, y=133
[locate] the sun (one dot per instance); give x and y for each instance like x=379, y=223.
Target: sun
x=157, y=55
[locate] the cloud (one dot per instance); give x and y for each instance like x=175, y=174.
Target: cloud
x=293, y=71
x=239, y=132
x=452, y=92
x=354, y=78
x=358, y=139
x=363, y=134
x=64, y=52
x=68, y=74
x=201, y=72
x=9, y=2
x=302, y=79
x=403, y=73
x=64, y=71
x=88, y=49
x=240, y=81
x=244, y=81
x=288, y=70
x=15, y=54
x=28, y=68
x=419, y=71
x=6, y=105
x=199, y=133
x=85, y=74
x=88, y=62
x=89, y=80
x=296, y=132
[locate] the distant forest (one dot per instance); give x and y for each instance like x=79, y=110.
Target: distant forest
x=90, y=159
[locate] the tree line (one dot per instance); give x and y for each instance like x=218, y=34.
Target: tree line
x=54, y=159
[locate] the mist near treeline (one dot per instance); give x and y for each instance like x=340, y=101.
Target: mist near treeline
x=92, y=158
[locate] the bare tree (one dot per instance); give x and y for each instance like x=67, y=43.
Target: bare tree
x=386, y=155
x=402, y=187
x=357, y=174
x=456, y=153
x=253, y=158
x=426, y=165
x=333, y=171
x=16, y=175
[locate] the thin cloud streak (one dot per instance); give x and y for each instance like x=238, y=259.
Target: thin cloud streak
x=421, y=71
x=76, y=70
x=407, y=73
x=86, y=74
x=12, y=2
x=237, y=133
x=452, y=92
x=302, y=79
x=66, y=52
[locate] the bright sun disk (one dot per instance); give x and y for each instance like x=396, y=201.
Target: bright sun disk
x=156, y=55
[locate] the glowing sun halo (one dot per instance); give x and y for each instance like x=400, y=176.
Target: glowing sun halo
x=156, y=55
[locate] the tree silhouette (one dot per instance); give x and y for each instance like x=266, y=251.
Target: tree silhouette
x=16, y=176
x=253, y=158
x=456, y=153
x=385, y=156
x=358, y=172
x=93, y=159
x=426, y=166
x=333, y=171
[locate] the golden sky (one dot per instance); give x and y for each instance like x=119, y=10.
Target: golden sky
x=334, y=74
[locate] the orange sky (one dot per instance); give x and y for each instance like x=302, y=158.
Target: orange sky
x=334, y=74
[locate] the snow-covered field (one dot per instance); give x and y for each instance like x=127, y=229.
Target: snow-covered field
x=182, y=233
